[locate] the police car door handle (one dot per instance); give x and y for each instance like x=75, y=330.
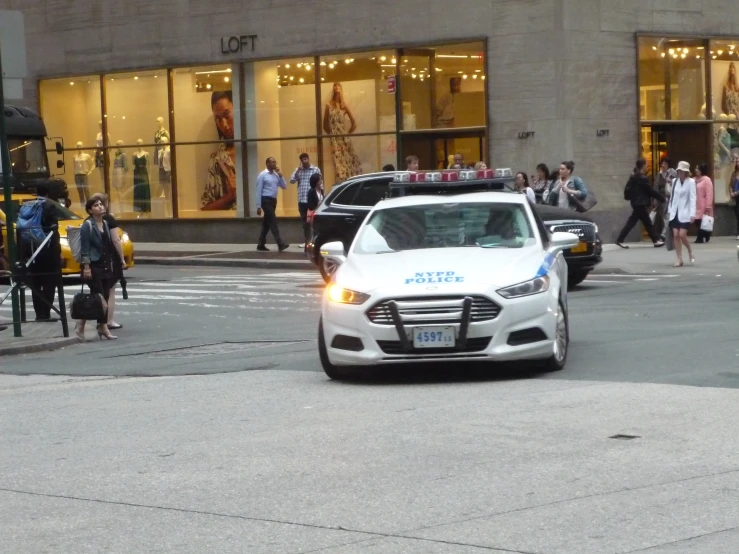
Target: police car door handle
x=350, y=219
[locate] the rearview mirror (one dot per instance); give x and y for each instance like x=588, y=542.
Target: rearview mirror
x=59, y=148
x=59, y=164
x=334, y=251
x=564, y=241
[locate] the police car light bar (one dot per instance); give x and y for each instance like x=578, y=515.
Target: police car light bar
x=448, y=176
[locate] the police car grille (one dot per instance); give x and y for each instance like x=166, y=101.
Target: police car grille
x=433, y=311
x=394, y=347
x=586, y=231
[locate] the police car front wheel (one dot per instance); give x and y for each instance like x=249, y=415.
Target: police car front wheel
x=330, y=369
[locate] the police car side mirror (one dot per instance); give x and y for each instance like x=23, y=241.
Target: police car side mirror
x=334, y=251
x=564, y=241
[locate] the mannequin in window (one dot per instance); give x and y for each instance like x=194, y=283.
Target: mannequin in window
x=164, y=161
x=100, y=152
x=445, y=106
x=120, y=168
x=160, y=134
x=83, y=166
x=141, y=186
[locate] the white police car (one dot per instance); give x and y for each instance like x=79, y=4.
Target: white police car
x=466, y=277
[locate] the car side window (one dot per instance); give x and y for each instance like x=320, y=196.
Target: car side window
x=346, y=196
x=372, y=192
x=542, y=229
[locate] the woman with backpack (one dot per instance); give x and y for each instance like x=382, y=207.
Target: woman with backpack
x=96, y=250
x=640, y=193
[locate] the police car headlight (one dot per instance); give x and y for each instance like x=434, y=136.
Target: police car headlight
x=535, y=286
x=345, y=296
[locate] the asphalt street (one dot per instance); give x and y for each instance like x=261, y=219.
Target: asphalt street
x=210, y=427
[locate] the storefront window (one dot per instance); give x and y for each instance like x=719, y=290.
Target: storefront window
x=280, y=98
x=443, y=87
x=206, y=111
x=356, y=155
x=672, y=79
x=71, y=109
x=725, y=79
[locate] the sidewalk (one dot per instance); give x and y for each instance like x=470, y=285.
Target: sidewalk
x=37, y=337
x=640, y=258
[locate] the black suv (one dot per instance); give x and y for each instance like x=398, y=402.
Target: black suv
x=346, y=206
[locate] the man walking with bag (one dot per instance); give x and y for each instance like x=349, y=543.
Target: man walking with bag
x=639, y=192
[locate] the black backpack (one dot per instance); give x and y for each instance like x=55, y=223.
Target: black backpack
x=627, y=189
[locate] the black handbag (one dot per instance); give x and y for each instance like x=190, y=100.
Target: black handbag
x=87, y=306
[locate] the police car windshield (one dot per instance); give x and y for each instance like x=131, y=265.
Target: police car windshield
x=457, y=225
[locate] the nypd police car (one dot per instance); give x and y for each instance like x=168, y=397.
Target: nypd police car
x=447, y=278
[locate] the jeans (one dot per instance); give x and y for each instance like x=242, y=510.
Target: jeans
x=303, y=209
x=639, y=213
x=269, y=221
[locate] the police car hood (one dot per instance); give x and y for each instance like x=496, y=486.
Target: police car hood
x=448, y=269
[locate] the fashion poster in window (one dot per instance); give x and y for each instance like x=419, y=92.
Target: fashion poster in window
x=349, y=108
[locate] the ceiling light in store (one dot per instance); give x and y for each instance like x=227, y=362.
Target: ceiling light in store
x=307, y=66
x=405, y=61
x=460, y=72
x=226, y=79
x=322, y=79
x=382, y=58
x=302, y=80
x=155, y=76
x=212, y=71
x=347, y=60
x=686, y=50
x=683, y=55
x=393, y=61
x=71, y=83
x=452, y=56
x=208, y=86
x=300, y=65
x=261, y=101
x=124, y=117
x=464, y=76
x=279, y=86
x=437, y=68
x=662, y=54
x=330, y=66
x=478, y=70
x=720, y=52
x=474, y=76
x=654, y=47
x=698, y=56
x=672, y=51
x=714, y=57
x=323, y=63
x=483, y=77
x=287, y=65
x=292, y=78
x=278, y=79
x=136, y=78
x=351, y=60
x=112, y=79
x=387, y=65
x=413, y=75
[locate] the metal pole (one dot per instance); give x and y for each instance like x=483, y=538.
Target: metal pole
x=9, y=215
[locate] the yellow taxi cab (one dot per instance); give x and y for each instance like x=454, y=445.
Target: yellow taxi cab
x=67, y=218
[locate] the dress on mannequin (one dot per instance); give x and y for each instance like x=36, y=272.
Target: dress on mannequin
x=83, y=166
x=165, y=173
x=141, y=186
x=120, y=167
x=160, y=136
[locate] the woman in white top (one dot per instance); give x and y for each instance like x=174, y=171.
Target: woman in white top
x=522, y=185
x=681, y=211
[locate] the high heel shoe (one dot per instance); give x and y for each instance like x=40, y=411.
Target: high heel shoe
x=105, y=334
x=79, y=330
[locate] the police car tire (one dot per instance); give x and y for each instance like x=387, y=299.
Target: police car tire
x=552, y=363
x=575, y=278
x=330, y=369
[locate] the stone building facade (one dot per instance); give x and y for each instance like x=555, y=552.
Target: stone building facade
x=561, y=81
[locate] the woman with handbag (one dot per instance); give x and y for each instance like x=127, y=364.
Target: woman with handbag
x=97, y=266
x=569, y=192
x=315, y=195
x=681, y=211
x=703, y=203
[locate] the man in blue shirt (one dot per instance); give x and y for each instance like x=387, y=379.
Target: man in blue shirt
x=268, y=184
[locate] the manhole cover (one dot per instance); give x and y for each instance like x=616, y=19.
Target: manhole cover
x=210, y=349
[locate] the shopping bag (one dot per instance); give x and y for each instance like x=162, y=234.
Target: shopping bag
x=707, y=223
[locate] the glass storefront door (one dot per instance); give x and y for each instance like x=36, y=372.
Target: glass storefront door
x=436, y=149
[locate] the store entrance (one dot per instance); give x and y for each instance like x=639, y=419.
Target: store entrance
x=436, y=149
x=691, y=143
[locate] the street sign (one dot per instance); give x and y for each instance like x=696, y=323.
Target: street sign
x=391, y=84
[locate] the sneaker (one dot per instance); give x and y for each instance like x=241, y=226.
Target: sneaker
x=284, y=247
x=659, y=243
x=262, y=249
x=302, y=246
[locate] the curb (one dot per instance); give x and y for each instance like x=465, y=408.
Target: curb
x=227, y=262
x=47, y=346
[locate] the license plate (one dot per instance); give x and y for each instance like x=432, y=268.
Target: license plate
x=434, y=337
x=581, y=247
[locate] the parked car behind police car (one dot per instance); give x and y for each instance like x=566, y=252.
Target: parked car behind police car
x=458, y=278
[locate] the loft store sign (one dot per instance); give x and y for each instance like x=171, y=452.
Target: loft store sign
x=236, y=44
